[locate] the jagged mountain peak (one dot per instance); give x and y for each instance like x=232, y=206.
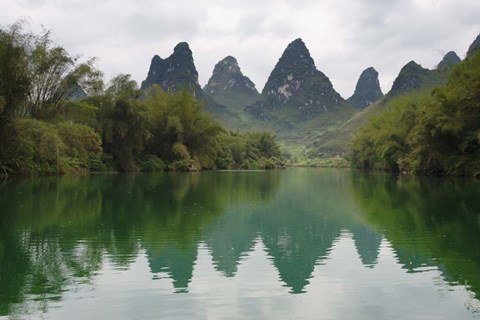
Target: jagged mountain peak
x=367, y=90
x=181, y=46
x=183, y=49
x=370, y=70
x=294, y=63
x=412, y=65
x=175, y=72
x=229, y=60
x=294, y=70
x=297, y=46
x=449, y=60
x=296, y=84
x=225, y=69
x=228, y=81
x=409, y=78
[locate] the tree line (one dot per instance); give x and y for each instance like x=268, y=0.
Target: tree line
x=433, y=133
x=57, y=115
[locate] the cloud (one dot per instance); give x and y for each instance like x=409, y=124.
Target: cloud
x=343, y=36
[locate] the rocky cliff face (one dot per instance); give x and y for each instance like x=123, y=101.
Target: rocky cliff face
x=229, y=86
x=367, y=90
x=450, y=60
x=295, y=83
x=174, y=73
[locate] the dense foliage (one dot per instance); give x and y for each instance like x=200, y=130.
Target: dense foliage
x=431, y=133
x=58, y=116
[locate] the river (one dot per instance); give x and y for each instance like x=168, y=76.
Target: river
x=292, y=244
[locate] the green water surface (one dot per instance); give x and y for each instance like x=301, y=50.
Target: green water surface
x=293, y=244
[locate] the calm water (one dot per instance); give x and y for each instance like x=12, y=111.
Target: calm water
x=295, y=244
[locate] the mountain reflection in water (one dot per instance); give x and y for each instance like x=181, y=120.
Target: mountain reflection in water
x=59, y=236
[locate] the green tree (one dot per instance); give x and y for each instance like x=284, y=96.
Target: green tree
x=182, y=130
x=56, y=77
x=15, y=47
x=34, y=147
x=233, y=151
x=81, y=142
x=36, y=78
x=123, y=122
x=263, y=143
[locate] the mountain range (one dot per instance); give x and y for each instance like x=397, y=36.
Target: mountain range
x=412, y=77
x=298, y=102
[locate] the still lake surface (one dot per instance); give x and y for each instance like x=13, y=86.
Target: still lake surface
x=293, y=244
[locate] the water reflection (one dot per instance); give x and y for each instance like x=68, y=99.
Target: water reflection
x=431, y=222
x=367, y=243
x=57, y=234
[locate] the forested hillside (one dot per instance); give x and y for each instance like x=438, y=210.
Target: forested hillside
x=434, y=132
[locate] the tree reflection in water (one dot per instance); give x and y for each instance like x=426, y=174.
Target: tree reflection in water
x=58, y=233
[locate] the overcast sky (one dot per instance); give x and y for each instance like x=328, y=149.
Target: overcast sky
x=344, y=36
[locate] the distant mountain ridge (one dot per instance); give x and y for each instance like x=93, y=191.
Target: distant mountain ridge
x=412, y=77
x=298, y=102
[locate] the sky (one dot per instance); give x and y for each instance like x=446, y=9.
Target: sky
x=344, y=37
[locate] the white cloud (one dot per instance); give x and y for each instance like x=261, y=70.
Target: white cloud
x=344, y=36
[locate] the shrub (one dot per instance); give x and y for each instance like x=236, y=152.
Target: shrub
x=33, y=147
x=151, y=163
x=80, y=141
